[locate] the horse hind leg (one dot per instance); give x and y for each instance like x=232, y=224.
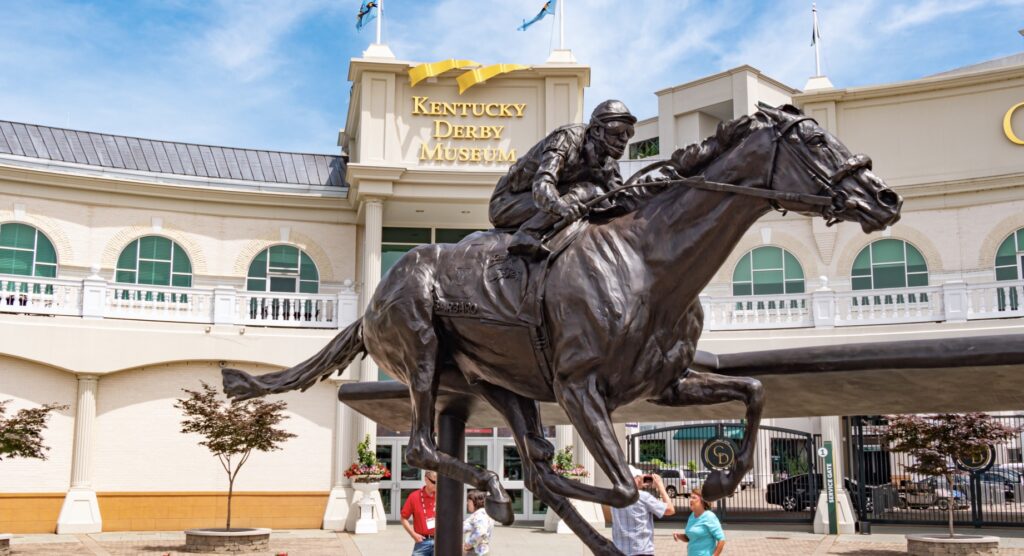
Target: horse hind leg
x=413, y=352
x=700, y=388
x=523, y=418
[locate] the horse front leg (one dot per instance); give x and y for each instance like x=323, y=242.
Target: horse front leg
x=699, y=388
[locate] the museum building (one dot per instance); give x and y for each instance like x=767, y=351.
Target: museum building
x=132, y=268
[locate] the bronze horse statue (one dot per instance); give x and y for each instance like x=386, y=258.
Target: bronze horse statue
x=617, y=310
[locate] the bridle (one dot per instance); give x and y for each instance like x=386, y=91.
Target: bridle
x=831, y=201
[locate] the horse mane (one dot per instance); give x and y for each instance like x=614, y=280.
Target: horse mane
x=692, y=159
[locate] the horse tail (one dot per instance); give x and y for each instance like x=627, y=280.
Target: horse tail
x=341, y=351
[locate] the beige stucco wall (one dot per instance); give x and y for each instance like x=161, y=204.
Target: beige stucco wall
x=220, y=237
x=139, y=447
x=30, y=385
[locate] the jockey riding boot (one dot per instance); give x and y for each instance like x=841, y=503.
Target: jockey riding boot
x=525, y=244
x=526, y=241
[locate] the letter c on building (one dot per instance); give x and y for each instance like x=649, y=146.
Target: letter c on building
x=1008, y=128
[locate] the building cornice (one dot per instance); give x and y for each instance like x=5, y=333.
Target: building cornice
x=925, y=85
x=727, y=73
x=302, y=198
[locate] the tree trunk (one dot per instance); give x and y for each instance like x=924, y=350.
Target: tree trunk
x=952, y=502
x=231, y=490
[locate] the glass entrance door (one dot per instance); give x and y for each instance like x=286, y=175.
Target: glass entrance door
x=511, y=471
x=404, y=478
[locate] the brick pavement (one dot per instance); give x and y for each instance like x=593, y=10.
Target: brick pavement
x=516, y=540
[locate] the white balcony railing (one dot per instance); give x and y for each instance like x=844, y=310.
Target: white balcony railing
x=996, y=300
x=891, y=306
x=94, y=297
x=287, y=309
x=762, y=311
x=40, y=296
x=140, y=302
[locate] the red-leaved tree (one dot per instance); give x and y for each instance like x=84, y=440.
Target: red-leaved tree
x=937, y=442
x=232, y=430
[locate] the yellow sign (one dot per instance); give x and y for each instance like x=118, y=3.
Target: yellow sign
x=1008, y=127
x=448, y=128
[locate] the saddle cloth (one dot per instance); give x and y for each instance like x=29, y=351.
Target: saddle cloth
x=478, y=279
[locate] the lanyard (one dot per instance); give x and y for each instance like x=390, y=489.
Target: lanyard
x=423, y=504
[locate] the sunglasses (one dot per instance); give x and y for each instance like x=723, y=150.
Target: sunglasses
x=429, y=480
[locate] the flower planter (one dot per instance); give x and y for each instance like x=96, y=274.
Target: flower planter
x=5, y=544
x=960, y=545
x=367, y=520
x=227, y=542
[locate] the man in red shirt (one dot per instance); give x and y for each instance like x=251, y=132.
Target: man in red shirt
x=421, y=507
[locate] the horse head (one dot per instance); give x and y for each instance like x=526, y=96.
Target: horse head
x=806, y=158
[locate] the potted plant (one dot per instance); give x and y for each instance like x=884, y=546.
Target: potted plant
x=937, y=443
x=231, y=430
x=366, y=474
x=564, y=465
x=21, y=436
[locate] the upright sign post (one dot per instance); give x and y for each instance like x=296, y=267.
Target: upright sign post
x=825, y=452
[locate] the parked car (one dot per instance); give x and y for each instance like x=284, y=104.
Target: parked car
x=746, y=482
x=674, y=480
x=853, y=488
x=1007, y=477
x=795, y=493
x=932, y=492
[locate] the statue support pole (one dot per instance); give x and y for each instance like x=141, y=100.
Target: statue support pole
x=451, y=428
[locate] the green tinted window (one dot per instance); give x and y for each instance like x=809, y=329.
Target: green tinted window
x=154, y=261
x=889, y=263
x=389, y=255
x=1008, y=257
x=25, y=251
x=767, y=271
x=442, y=235
x=283, y=268
x=405, y=235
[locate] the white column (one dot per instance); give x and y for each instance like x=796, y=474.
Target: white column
x=831, y=430
x=373, y=209
x=340, y=499
x=81, y=511
x=372, y=230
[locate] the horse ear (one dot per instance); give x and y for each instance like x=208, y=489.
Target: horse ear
x=790, y=109
x=770, y=111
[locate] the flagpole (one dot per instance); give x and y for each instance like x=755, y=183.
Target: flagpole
x=817, y=53
x=380, y=17
x=561, y=24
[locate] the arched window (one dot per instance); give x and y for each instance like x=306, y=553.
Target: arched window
x=889, y=263
x=285, y=269
x=1010, y=257
x=25, y=251
x=154, y=261
x=767, y=271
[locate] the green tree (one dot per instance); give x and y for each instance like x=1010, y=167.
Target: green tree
x=937, y=442
x=21, y=435
x=232, y=430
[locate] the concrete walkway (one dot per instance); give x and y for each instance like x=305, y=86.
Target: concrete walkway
x=776, y=540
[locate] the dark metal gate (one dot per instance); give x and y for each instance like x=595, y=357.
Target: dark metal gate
x=994, y=497
x=783, y=486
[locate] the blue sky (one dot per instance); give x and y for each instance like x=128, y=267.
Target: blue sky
x=272, y=73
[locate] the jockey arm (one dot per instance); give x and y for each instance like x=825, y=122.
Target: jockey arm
x=545, y=184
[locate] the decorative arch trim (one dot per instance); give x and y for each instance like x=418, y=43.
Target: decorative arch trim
x=123, y=238
x=49, y=228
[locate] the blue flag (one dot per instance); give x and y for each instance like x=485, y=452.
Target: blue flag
x=366, y=13
x=548, y=9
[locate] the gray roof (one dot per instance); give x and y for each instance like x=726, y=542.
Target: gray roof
x=1004, y=62
x=165, y=157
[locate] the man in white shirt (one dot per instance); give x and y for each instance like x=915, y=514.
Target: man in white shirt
x=633, y=526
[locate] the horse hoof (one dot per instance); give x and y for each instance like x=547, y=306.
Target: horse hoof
x=500, y=510
x=715, y=487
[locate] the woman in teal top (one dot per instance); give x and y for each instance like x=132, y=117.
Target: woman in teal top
x=704, y=535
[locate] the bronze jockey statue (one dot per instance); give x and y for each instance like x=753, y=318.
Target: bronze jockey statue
x=572, y=165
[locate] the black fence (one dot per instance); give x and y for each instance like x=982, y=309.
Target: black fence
x=783, y=486
x=891, y=494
